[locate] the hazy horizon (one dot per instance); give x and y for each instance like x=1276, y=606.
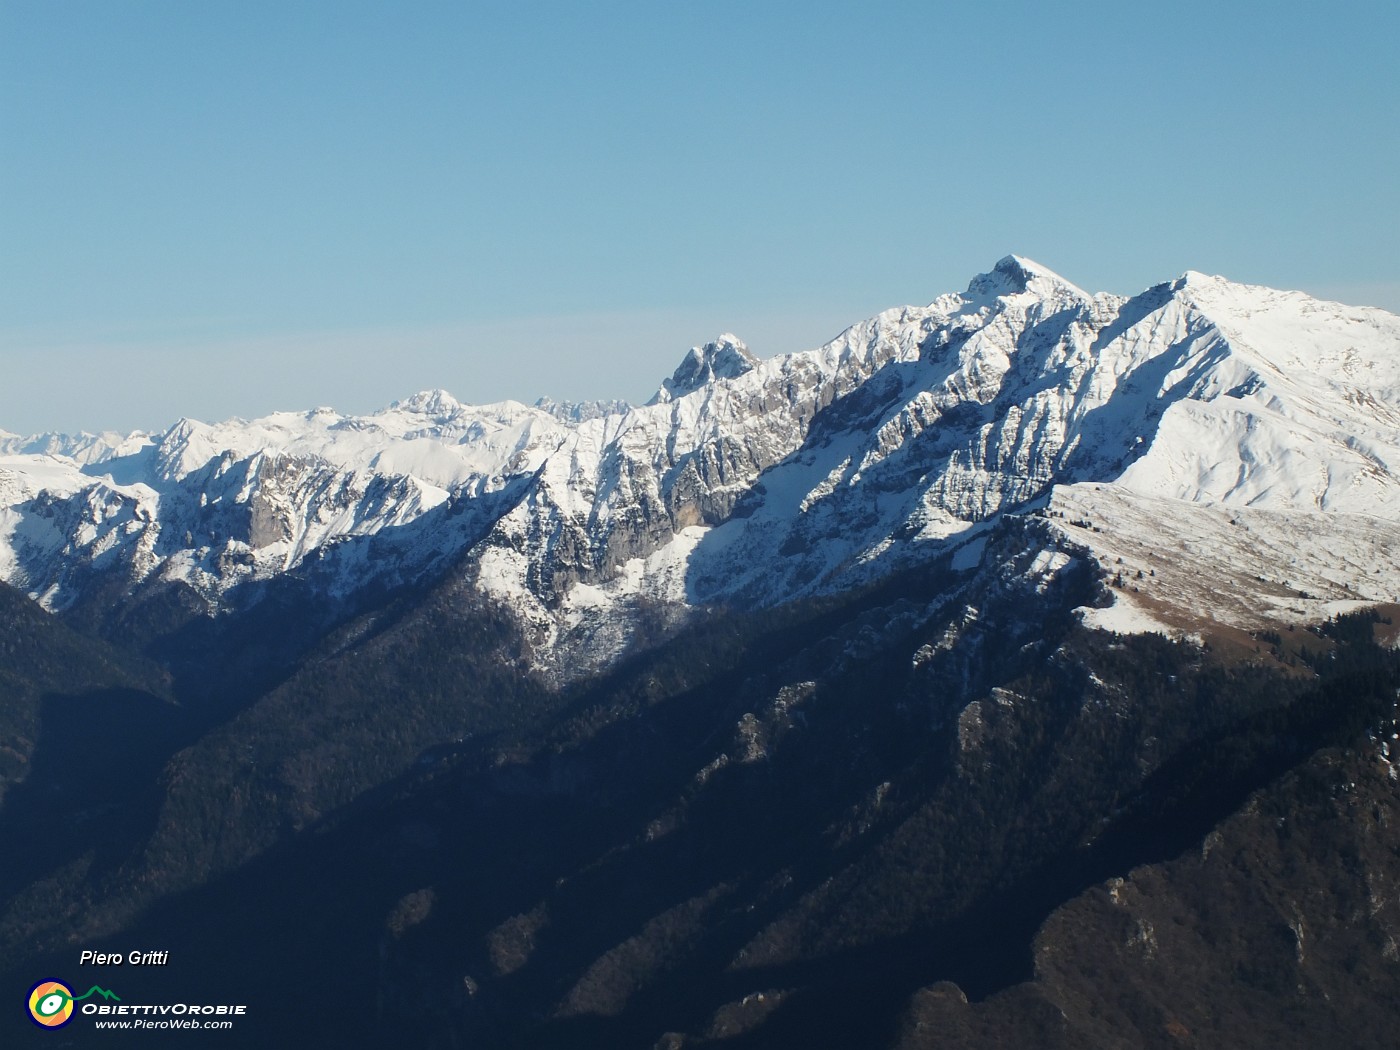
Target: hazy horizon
x=214, y=211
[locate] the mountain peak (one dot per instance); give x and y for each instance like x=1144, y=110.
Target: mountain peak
x=430, y=403
x=725, y=358
x=1017, y=275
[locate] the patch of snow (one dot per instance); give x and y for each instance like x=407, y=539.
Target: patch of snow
x=1124, y=617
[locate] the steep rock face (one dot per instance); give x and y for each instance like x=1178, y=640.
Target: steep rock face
x=755, y=482
x=726, y=358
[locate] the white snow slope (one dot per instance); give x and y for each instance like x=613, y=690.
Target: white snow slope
x=1237, y=443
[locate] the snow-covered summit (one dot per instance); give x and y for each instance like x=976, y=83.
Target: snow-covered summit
x=1017, y=275
x=725, y=358
x=438, y=404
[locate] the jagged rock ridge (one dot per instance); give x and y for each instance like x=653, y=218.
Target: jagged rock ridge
x=1229, y=410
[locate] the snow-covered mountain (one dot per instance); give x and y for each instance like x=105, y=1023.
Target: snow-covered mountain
x=1237, y=446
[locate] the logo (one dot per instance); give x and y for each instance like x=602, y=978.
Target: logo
x=51, y=1002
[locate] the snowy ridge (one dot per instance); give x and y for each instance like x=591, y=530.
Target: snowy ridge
x=80, y=448
x=214, y=505
x=904, y=439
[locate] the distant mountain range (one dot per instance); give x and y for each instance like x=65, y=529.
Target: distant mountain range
x=1017, y=669
x=1267, y=420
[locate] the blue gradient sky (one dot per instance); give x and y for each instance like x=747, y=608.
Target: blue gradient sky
x=223, y=208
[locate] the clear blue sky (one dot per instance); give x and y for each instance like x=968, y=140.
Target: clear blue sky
x=224, y=208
